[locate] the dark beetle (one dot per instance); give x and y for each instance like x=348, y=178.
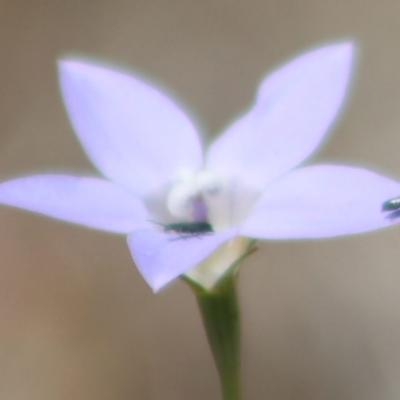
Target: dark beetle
x=189, y=228
x=392, y=204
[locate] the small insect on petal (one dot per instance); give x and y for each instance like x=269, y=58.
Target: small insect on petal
x=188, y=229
x=392, y=204
x=191, y=228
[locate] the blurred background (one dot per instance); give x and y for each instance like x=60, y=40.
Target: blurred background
x=321, y=319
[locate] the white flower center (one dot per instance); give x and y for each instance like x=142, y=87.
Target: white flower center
x=187, y=197
x=207, y=196
x=224, y=203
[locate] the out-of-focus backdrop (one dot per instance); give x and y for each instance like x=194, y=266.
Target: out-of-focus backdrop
x=77, y=321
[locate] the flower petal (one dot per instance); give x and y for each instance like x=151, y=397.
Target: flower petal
x=92, y=202
x=295, y=107
x=322, y=201
x=134, y=134
x=162, y=257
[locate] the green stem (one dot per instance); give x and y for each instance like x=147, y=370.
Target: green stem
x=220, y=313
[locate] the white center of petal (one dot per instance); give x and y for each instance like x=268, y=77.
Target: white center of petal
x=222, y=202
x=207, y=196
x=186, y=198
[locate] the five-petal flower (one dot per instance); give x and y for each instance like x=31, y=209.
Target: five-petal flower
x=246, y=186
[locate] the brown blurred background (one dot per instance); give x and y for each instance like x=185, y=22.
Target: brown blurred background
x=321, y=319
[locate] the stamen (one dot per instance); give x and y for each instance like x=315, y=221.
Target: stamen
x=189, y=198
x=180, y=201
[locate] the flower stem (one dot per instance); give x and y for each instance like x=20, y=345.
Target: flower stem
x=220, y=313
x=219, y=309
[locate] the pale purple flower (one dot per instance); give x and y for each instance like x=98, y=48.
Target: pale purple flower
x=248, y=185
